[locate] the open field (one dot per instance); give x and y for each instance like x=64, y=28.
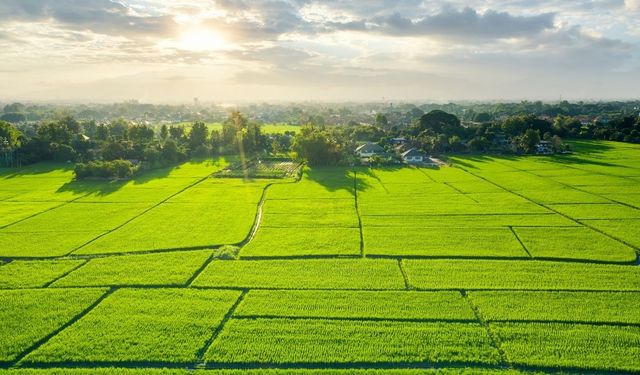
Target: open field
x=494, y=265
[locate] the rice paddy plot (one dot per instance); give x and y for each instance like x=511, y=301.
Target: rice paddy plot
x=593, y=180
x=564, y=195
x=442, y=242
x=331, y=341
x=11, y=212
x=521, y=181
x=76, y=217
x=303, y=274
x=549, y=345
x=457, y=207
x=355, y=305
x=476, y=186
x=29, y=315
x=468, y=221
x=574, y=243
x=34, y=274
x=308, y=206
x=161, y=325
x=181, y=225
x=597, y=211
x=317, y=183
x=605, y=190
x=309, y=220
x=42, y=244
x=630, y=199
x=170, y=269
x=525, y=275
x=209, y=193
x=590, y=307
x=624, y=230
x=303, y=242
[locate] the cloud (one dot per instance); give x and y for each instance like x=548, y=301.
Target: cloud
x=465, y=24
x=99, y=16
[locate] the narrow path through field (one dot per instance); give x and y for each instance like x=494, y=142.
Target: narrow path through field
x=355, y=196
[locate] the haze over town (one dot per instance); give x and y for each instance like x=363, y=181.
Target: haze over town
x=230, y=51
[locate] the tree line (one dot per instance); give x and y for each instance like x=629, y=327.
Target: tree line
x=120, y=148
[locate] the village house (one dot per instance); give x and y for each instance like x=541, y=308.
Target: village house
x=368, y=150
x=413, y=156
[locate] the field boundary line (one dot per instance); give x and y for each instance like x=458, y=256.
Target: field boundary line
x=316, y=366
x=62, y=204
x=557, y=212
x=275, y=288
x=493, y=339
x=35, y=346
x=201, y=362
x=46, y=285
x=200, y=269
x=520, y=241
x=427, y=175
x=355, y=195
x=572, y=322
x=460, y=191
x=405, y=276
x=138, y=215
x=356, y=319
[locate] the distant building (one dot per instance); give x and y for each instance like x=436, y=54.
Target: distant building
x=398, y=141
x=544, y=148
x=413, y=156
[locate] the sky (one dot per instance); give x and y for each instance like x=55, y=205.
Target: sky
x=333, y=50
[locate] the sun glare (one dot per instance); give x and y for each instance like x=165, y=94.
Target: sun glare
x=201, y=40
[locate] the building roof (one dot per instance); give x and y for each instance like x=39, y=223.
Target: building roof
x=370, y=148
x=412, y=152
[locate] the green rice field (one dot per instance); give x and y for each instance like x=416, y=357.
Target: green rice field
x=490, y=265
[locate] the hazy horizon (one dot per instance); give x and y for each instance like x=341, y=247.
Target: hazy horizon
x=83, y=51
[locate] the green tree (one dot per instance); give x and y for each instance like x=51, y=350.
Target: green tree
x=316, y=146
x=529, y=140
x=164, y=132
x=198, y=135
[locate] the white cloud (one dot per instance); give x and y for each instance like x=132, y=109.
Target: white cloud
x=298, y=49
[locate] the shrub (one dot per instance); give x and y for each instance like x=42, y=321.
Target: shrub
x=227, y=252
x=105, y=169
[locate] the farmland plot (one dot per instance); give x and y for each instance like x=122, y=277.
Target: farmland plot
x=29, y=315
x=162, y=325
x=334, y=341
x=169, y=269
x=576, y=243
x=434, y=242
x=303, y=274
x=34, y=274
x=498, y=274
x=598, y=347
x=308, y=226
x=42, y=244
x=356, y=304
x=559, y=306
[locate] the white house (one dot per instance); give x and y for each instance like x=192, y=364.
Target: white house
x=413, y=156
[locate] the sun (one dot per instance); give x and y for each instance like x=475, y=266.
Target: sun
x=201, y=39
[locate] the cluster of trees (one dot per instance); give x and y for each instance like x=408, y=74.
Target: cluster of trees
x=100, y=148
x=119, y=149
